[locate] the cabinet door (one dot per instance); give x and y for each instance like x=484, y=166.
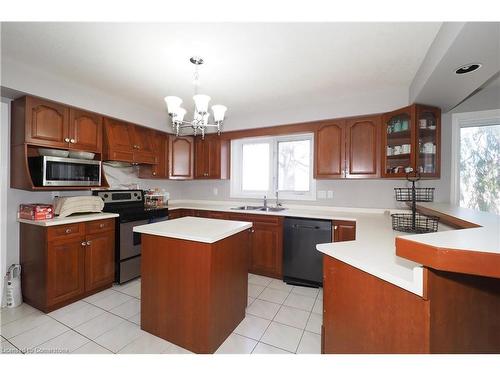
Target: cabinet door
x=329, y=151
x=181, y=158
x=201, y=158
x=65, y=270
x=266, y=256
x=143, y=145
x=398, y=142
x=363, y=147
x=160, y=146
x=85, y=130
x=428, y=141
x=119, y=140
x=47, y=123
x=99, y=260
x=344, y=230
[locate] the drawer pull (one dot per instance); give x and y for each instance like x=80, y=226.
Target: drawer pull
x=68, y=230
x=101, y=225
x=89, y=243
x=84, y=243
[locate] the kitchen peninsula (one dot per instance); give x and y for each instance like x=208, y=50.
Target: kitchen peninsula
x=194, y=280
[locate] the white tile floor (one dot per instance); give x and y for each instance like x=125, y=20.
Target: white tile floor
x=280, y=319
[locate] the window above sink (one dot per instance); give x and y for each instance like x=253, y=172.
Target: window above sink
x=266, y=165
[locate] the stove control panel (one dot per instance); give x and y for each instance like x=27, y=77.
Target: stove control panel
x=120, y=196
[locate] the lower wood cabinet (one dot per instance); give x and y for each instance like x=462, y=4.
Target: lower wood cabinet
x=64, y=263
x=343, y=230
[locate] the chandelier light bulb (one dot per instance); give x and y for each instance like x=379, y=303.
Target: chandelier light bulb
x=201, y=102
x=179, y=114
x=173, y=103
x=219, y=111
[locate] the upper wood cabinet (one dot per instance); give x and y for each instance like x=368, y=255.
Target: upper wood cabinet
x=85, y=130
x=160, y=149
x=363, y=147
x=211, y=158
x=329, y=150
x=411, y=139
x=47, y=122
x=127, y=142
x=181, y=158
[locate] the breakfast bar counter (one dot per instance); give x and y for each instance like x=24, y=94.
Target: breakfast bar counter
x=194, y=280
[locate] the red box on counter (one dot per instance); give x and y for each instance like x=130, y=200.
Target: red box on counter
x=36, y=211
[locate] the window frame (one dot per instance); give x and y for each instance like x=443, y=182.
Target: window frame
x=459, y=121
x=236, y=180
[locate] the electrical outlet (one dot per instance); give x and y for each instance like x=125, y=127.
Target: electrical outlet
x=54, y=194
x=216, y=191
x=321, y=194
x=330, y=194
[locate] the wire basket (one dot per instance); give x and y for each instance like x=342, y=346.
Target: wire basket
x=421, y=194
x=414, y=223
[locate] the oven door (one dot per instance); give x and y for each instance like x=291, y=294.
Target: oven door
x=71, y=172
x=130, y=242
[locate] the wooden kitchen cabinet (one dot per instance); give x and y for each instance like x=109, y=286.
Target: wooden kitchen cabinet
x=411, y=139
x=160, y=148
x=127, y=142
x=64, y=263
x=343, y=230
x=329, y=151
x=181, y=158
x=363, y=147
x=211, y=158
x=85, y=131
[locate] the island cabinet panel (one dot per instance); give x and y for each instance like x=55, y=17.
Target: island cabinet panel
x=181, y=158
x=364, y=314
x=329, y=151
x=64, y=263
x=193, y=294
x=363, y=147
x=343, y=230
x=47, y=122
x=85, y=130
x=211, y=158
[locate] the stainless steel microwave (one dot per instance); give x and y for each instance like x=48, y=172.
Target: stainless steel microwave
x=56, y=171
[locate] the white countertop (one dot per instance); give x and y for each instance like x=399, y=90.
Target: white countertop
x=76, y=218
x=373, y=251
x=194, y=229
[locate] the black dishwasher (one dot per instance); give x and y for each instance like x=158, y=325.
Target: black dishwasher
x=302, y=263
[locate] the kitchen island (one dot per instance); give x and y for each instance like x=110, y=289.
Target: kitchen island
x=194, y=280
x=451, y=305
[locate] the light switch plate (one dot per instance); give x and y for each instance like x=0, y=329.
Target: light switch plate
x=330, y=194
x=321, y=194
x=216, y=191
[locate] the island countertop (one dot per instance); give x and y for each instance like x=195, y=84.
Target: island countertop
x=194, y=229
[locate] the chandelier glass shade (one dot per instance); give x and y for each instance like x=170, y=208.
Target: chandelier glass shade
x=201, y=115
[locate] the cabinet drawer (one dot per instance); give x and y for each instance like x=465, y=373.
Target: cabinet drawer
x=66, y=231
x=100, y=226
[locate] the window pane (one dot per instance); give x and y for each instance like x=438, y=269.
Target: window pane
x=480, y=168
x=255, y=167
x=294, y=160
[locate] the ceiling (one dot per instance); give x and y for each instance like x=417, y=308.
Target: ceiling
x=250, y=67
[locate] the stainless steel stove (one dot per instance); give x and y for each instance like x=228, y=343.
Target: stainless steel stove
x=129, y=204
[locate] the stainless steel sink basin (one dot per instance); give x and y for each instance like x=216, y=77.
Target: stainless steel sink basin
x=258, y=208
x=272, y=209
x=248, y=208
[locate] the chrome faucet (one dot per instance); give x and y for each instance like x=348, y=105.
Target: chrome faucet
x=265, y=201
x=278, y=203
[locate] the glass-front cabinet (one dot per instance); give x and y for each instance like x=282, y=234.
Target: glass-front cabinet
x=411, y=141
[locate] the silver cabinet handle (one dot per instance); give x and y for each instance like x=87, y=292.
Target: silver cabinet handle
x=66, y=140
x=101, y=225
x=335, y=227
x=154, y=173
x=252, y=230
x=72, y=140
x=89, y=243
x=84, y=243
x=68, y=230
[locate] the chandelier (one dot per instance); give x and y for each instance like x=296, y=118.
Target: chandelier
x=199, y=124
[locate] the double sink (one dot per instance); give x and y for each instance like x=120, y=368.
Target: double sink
x=258, y=208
